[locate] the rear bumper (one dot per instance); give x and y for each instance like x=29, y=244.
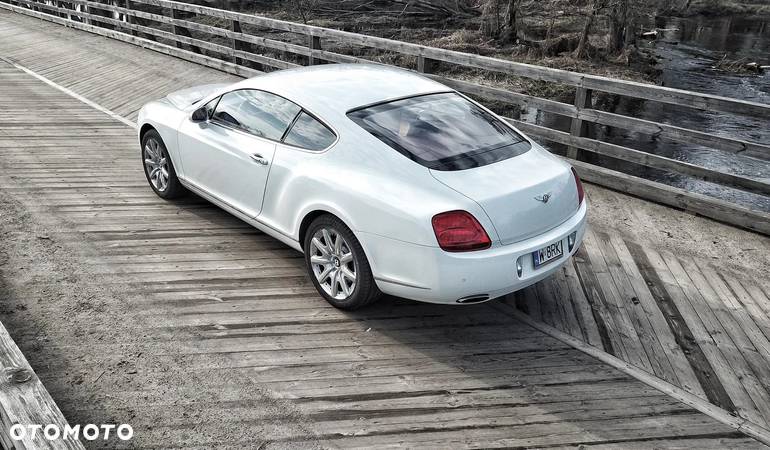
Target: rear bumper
x=432, y=275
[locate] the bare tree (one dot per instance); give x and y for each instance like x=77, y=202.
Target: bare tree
x=512, y=22
x=501, y=19
x=305, y=8
x=593, y=10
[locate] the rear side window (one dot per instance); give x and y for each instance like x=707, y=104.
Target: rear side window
x=257, y=112
x=441, y=131
x=309, y=133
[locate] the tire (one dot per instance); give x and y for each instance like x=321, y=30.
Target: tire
x=344, y=258
x=156, y=163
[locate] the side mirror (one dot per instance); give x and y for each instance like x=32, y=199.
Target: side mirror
x=200, y=115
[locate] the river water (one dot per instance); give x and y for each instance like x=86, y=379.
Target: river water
x=688, y=50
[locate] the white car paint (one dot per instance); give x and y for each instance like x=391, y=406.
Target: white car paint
x=387, y=199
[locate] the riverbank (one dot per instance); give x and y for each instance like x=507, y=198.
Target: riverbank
x=711, y=8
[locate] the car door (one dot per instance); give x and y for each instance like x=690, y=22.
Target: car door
x=229, y=156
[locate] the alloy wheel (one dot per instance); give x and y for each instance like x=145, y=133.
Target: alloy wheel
x=333, y=264
x=156, y=164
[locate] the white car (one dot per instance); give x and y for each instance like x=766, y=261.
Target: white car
x=388, y=182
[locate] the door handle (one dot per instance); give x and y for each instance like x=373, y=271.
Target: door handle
x=259, y=159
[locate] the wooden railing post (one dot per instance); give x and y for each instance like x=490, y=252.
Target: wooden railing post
x=177, y=30
x=181, y=31
x=425, y=65
x=235, y=43
x=129, y=17
x=578, y=128
x=314, y=44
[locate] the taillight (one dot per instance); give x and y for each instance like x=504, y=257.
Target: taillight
x=459, y=231
x=579, y=187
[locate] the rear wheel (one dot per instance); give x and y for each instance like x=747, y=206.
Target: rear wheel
x=337, y=264
x=158, y=167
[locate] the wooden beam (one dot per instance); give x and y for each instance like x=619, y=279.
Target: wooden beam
x=25, y=401
x=644, y=158
x=142, y=42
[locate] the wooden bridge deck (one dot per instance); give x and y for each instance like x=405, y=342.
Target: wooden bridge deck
x=200, y=331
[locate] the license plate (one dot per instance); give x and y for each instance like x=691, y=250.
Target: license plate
x=548, y=253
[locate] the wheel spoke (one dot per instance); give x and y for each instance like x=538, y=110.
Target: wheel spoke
x=321, y=260
x=150, y=152
x=345, y=288
x=337, y=244
x=327, y=239
x=348, y=274
x=346, y=258
x=325, y=274
x=321, y=248
x=335, y=284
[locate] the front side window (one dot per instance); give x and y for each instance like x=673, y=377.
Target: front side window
x=308, y=133
x=257, y=112
x=441, y=131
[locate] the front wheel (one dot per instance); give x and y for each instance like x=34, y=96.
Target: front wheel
x=158, y=167
x=337, y=264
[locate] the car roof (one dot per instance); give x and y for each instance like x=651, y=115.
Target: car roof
x=342, y=87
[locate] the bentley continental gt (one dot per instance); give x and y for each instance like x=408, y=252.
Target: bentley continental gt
x=387, y=181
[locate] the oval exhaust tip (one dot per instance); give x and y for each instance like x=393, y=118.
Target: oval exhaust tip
x=473, y=299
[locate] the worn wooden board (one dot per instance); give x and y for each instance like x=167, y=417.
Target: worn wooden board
x=25, y=401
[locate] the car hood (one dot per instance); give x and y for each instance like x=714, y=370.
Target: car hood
x=185, y=98
x=512, y=191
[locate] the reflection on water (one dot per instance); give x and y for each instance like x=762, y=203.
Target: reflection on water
x=687, y=50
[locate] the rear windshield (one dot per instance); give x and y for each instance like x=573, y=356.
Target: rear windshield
x=441, y=131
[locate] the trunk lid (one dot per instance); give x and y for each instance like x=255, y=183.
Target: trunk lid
x=511, y=193
x=185, y=98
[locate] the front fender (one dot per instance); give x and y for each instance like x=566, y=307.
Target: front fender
x=165, y=119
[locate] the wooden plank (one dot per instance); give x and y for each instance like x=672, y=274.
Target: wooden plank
x=644, y=158
x=611, y=342
x=705, y=375
x=738, y=331
x=723, y=416
x=648, y=351
x=676, y=134
x=683, y=372
x=25, y=401
x=748, y=395
x=583, y=309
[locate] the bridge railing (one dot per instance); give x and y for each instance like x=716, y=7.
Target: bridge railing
x=235, y=42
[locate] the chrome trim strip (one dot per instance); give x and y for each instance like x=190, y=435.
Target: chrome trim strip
x=400, y=283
